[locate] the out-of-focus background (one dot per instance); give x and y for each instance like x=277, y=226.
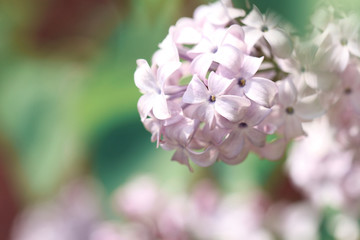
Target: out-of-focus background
x=68, y=99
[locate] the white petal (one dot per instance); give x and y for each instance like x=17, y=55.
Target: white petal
x=228, y=56
x=205, y=158
x=201, y=64
x=309, y=108
x=287, y=92
x=204, y=46
x=256, y=137
x=354, y=48
x=203, y=112
x=145, y=104
x=293, y=127
x=196, y=91
x=238, y=158
x=252, y=36
x=185, y=32
x=280, y=42
x=234, y=36
x=181, y=157
x=355, y=100
x=255, y=114
x=218, y=84
x=235, y=12
x=261, y=91
x=254, y=18
x=250, y=66
x=324, y=80
x=144, y=78
x=233, y=145
x=160, y=108
x=166, y=70
x=231, y=107
x=274, y=150
x=339, y=57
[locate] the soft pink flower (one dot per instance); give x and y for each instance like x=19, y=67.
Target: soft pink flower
x=343, y=41
x=243, y=134
x=291, y=111
x=258, y=89
x=258, y=26
x=151, y=84
x=208, y=103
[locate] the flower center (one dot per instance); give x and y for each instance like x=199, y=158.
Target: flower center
x=302, y=69
x=241, y=82
x=264, y=28
x=212, y=98
x=347, y=91
x=214, y=50
x=243, y=125
x=289, y=110
x=343, y=41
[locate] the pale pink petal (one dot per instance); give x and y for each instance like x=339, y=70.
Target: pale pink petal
x=144, y=78
x=216, y=135
x=250, y=66
x=261, y=91
x=339, y=57
x=254, y=18
x=255, y=114
x=205, y=158
x=280, y=42
x=154, y=126
x=309, y=108
x=228, y=56
x=287, y=92
x=233, y=145
x=256, y=137
x=238, y=158
x=274, y=150
x=235, y=12
x=204, y=46
x=180, y=131
x=168, y=144
x=168, y=51
x=145, y=104
x=234, y=36
x=293, y=127
x=355, y=102
x=311, y=79
x=185, y=32
x=324, y=80
x=271, y=19
x=218, y=84
x=201, y=64
x=160, y=108
x=231, y=107
x=354, y=48
x=166, y=70
x=252, y=36
x=203, y=112
x=196, y=91
x=181, y=157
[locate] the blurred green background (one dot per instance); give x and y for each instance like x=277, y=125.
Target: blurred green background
x=68, y=99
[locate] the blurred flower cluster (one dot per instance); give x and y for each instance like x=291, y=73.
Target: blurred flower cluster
x=226, y=81
x=150, y=212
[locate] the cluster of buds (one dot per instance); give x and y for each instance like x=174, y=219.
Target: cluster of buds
x=224, y=80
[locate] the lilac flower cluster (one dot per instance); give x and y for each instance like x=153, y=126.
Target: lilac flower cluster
x=224, y=80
